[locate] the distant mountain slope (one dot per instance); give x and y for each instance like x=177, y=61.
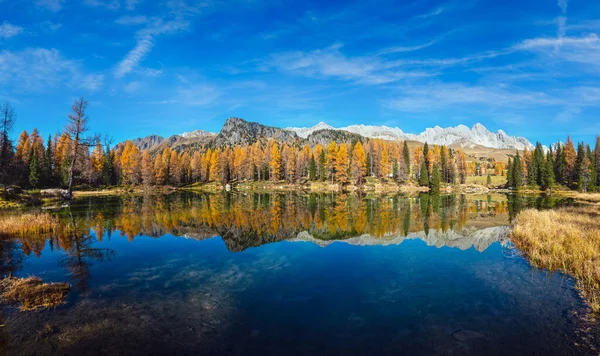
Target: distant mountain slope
x=237, y=131
x=145, y=143
x=196, y=134
x=460, y=135
x=324, y=136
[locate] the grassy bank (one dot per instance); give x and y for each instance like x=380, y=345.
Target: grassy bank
x=32, y=293
x=28, y=223
x=566, y=240
x=370, y=185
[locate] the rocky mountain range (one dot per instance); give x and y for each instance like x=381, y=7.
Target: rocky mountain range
x=460, y=136
x=237, y=131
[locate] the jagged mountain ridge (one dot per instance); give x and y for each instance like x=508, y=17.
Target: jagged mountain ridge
x=460, y=135
x=237, y=131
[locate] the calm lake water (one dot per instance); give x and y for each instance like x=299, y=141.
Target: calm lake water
x=288, y=274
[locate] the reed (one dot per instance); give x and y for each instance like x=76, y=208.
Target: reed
x=32, y=293
x=28, y=223
x=566, y=240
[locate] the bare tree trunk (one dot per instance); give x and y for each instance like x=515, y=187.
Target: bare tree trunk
x=72, y=169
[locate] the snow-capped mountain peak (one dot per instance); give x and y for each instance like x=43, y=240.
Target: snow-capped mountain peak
x=196, y=133
x=304, y=132
x=460, y=135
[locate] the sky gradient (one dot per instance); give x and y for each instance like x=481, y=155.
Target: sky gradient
x=163, y=67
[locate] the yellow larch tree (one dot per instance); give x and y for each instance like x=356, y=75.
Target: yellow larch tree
x=275, y=163
x=130, y=164
x=359, y=163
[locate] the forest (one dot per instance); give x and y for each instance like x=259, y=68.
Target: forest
x=73, y=159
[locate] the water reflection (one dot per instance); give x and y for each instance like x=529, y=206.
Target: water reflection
x=250, y=220
x=175, y=295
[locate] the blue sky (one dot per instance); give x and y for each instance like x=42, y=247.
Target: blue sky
x=529, y=67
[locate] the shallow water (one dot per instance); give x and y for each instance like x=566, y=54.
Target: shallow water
x=263, y=274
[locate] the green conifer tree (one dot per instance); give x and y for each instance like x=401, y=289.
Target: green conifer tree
x=312, y=168
x=436, y=178
x=424, y=175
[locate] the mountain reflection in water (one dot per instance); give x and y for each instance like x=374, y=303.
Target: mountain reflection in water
x=151, y=276
x=250, y=220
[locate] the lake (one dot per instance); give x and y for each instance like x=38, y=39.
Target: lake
x=294, y=274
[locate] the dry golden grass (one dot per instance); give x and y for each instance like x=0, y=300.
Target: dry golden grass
x=29, y=223
x=567, y=240
x=32, y=293
x=482, y=180
x=587, y=197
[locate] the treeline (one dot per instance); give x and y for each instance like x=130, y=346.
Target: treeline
x=561, y=165
x=268, y=160
x=37, y=164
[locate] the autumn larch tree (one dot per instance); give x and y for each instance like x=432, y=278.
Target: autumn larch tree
x=359, y=163
x=130, y=164
x=341, y=164
x=275, y=163
x=461, y=159
x=76, y=127
x=147, y=169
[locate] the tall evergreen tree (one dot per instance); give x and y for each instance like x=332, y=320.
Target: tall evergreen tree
x=49, y=163
x=435, y=181
x=558, y=160
x=516, y=172
x=535, y=168
x=548, y=178
x=34, y=170
x=424, y=176
x=509, y=174
x=426, y=156
x=312, y=168
x=406, y=157
x=322, y=166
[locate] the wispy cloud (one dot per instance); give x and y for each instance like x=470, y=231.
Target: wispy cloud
x=8, y=30
x=144, y=43
x=544, y=42
x=131, y=4
x=38, y=69
x=563, y=5
x=132, y=20
x=330, y=62
x=433, y=97
x=401, y=49
x=104, y=4
x=433, y=13
x=50, y=26
x=52, y=5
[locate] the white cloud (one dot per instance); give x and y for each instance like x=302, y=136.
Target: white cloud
x=37, y=69
x=105, y=4
x=401, y=49
x=427, y=98
x=50, y=26
x=330, y=62
x=91, y=82
x=435, y=12
x=132, y=87
x=563, y=6
x=541, y=42
x=8, y=30
x=132, y=20
x=142, y=48
x=131, y=4
x=145, y=42
x=584, y=50
x=52, y=5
